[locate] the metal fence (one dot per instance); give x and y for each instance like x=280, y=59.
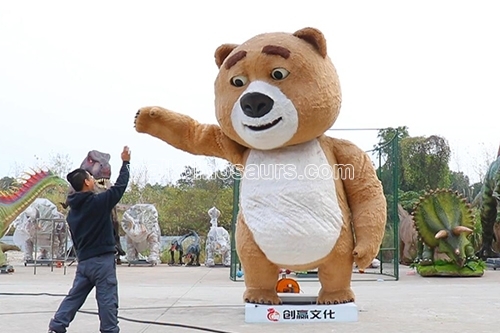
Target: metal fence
x=386, y=160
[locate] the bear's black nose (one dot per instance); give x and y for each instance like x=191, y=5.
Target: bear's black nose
x=256, y=105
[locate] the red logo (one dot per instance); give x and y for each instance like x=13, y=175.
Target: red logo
x=273, y=315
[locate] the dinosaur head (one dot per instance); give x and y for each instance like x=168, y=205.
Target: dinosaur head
x=454, y=242
x=97, y=164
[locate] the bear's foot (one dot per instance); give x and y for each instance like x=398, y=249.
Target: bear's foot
x=261, y=296
x=336, y=297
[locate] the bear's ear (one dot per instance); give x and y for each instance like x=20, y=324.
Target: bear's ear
x=222, y=52
x=314, y=37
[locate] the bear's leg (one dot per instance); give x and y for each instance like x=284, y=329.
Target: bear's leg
x=261, y=275
x=335, y=278
x=335, y=273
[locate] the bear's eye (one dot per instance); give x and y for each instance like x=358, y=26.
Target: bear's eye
x=279, y=73
x=239, y=81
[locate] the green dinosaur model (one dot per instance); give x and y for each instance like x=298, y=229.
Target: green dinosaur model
x=444, y=220
x=489, y=202
x=13, y=203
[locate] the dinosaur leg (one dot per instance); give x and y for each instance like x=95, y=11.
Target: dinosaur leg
x=181, y=254
x=427, y=256
x=261, y=275
x=28, y=251
x=469, y=253
x=407, y=255
x=131, y=253
x=401, y=252
x=209, y=256
x=116, y=234
x=171, y=262
x=488, y=217
x=154, y=248
x=3, y=258
x=420, y=250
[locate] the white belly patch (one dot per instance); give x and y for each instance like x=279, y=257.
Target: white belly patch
x=289, y=202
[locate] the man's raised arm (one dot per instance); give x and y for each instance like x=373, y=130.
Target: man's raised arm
x=113, y=195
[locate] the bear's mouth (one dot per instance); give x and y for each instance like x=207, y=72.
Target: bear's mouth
x=266, y=126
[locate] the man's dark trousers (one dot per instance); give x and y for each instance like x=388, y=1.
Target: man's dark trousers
x=100, y=272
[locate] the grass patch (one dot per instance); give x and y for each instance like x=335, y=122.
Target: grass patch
x=448, y=268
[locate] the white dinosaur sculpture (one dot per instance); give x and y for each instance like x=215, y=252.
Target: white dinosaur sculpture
x=28, y=231
x=140, y=223
x=218, y=241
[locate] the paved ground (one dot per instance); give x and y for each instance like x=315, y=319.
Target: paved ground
x=206, y=297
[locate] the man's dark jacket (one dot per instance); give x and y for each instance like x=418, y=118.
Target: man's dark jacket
x=89, y=218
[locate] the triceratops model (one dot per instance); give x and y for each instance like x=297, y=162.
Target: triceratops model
x=140, y=223
x=218, y=241
x=444, y=221
x=490, y=200
x=97, y=164
x=13, y=203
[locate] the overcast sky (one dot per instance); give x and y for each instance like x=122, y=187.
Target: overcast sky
x=73, y=74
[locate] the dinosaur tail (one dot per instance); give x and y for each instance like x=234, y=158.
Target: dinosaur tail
x=7, y=247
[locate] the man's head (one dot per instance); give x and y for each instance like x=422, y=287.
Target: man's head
x=81, y=180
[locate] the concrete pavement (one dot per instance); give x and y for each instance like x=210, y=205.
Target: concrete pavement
x=206, y=297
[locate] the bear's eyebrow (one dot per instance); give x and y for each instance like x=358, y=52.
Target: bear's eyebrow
x=232, y=60
x=276, y=50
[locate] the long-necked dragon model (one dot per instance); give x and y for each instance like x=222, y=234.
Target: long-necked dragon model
x=444, y=221
x=14, y=202
x=490, y=201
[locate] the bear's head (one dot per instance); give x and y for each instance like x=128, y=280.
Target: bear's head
x=276, y=89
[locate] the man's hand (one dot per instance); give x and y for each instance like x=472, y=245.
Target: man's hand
x=126, y=154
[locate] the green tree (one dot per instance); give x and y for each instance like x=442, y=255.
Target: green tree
x=425, y=163
x=386, y=135
x=460, y=182
x=384, y=151
x=8, y=183
x=189, y=177
x=224, y=178
x=184, y=206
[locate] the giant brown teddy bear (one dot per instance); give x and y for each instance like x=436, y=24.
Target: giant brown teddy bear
x=275, y=96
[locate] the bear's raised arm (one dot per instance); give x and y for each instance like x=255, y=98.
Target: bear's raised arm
x=366, y=200
x=185, y=133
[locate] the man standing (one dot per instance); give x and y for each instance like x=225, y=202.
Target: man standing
x=91, y=228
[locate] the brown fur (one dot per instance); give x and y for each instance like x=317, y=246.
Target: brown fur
x=314, y=88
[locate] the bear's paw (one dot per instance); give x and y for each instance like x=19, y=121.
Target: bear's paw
x=261, y=296
x=336, y=297
x=144, y=115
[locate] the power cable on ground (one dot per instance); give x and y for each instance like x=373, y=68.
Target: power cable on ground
x=148, y=322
